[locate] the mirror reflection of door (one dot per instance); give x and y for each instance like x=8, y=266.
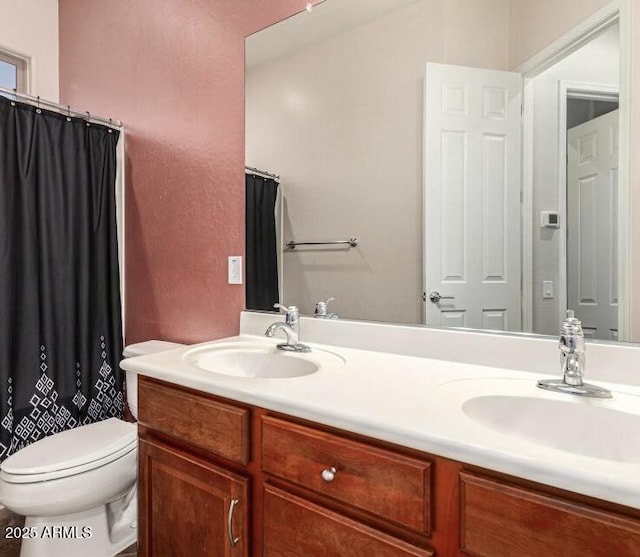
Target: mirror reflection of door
x=472, y=197
x=473, y=253
x=592, y=208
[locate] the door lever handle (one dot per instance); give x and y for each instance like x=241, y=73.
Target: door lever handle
x=435, y=297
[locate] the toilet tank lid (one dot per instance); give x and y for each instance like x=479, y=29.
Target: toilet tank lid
x=149, y=347
x=74, y=447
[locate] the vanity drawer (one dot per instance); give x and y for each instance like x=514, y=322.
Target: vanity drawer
x=387, y=484
x=195, y=418
x=294, y=526
x=499, y=519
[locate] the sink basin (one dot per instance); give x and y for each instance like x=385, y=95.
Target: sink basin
x=255, y=360
x=576, y=426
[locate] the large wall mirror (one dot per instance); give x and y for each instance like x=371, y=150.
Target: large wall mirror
x=441, y=162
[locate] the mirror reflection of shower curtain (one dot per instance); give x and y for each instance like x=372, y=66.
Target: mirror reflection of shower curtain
x=262, y=206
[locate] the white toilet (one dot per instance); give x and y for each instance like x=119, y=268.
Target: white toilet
x=77, y=488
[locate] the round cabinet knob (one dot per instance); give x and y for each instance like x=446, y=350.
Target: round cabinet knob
x=329, y=474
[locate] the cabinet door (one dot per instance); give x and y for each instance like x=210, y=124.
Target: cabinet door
x=188, y=507
x=294, y=526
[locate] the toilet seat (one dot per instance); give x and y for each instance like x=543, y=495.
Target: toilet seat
x=71, y=452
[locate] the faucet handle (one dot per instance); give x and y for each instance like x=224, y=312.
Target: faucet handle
x=571, y=326
x=571, y=334
x=291, y=312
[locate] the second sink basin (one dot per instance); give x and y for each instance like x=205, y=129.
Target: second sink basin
x=598, y=428
x=256, y=360
x=572, y=425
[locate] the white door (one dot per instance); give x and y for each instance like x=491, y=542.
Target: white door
x=472, y=191
x=592, y=242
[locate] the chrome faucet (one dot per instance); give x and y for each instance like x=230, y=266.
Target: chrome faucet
x=290, y=327
x=572, y=350
x=321, y=310
x=572, y=360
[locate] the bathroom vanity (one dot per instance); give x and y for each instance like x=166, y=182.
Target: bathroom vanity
x=370, y=454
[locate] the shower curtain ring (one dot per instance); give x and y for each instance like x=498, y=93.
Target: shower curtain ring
x=38, y=105
x=88, y=118
x=68, y=113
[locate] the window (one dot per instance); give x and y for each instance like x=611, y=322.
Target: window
x=13, y=72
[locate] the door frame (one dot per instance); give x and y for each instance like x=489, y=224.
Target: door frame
x=616, y=11
x=567, y=90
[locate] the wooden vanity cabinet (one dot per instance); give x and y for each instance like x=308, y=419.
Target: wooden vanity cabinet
x=220, y=478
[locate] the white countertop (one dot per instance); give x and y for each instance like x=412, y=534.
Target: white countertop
x=416, y=402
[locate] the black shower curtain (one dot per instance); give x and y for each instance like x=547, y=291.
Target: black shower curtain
x=60, y=321
x=261, y=255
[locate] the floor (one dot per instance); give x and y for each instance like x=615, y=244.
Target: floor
x=11, y=547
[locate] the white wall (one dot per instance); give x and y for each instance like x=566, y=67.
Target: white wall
x=346, y=137
x=532, y=28
x=595, y=63
x=634, y=171
x=30, y=28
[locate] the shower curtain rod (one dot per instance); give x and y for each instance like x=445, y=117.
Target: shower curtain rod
x=61, y=108
x=262, y=173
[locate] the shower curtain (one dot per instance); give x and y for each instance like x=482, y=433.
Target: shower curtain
x=60, y=319
x=261, y=249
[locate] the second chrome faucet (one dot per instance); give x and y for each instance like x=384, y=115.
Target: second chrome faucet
x=572, y=357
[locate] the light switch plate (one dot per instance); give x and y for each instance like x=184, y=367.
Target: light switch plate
x=547, y=289
x=235, y=269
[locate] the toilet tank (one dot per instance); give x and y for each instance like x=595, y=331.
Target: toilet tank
x=142, y=349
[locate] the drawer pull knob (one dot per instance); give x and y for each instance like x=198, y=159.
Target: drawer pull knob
x=329, y=474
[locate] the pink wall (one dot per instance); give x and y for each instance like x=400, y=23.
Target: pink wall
x=173, y=72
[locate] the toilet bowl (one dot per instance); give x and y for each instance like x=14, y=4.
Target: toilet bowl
x=77, y=488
